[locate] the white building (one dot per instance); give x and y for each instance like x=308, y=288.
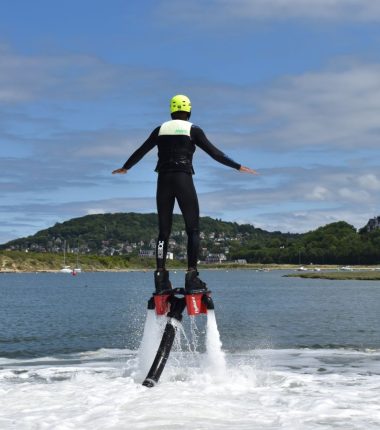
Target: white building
x=216, y=258
x=373, y=224
x=147, y=253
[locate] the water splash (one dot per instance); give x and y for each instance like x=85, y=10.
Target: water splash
x=150, y=342
x=194, y=333
x=185, y=352
x=216, y=361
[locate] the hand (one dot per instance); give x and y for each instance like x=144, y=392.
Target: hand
x=121, y=171
x=248, y=170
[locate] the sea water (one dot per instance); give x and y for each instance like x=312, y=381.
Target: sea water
x=278, y=353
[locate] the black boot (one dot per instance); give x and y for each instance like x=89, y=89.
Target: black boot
x=193, y=283
x=161, y=281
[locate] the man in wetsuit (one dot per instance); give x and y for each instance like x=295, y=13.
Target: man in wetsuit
x=176, y=141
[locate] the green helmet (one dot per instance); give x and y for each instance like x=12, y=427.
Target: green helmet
x=180, y=103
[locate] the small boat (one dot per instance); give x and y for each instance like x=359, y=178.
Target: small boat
x=77, y=269
x=65, y=268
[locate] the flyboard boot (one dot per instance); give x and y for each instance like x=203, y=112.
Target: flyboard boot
x=161, y=281
x=198, y=297
x=172, y=302
x=193, y=283
x=163, y=289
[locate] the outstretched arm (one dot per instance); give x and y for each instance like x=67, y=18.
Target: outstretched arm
x=149, y=144
x=202, y=141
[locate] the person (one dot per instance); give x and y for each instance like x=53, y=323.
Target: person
x=176, y=141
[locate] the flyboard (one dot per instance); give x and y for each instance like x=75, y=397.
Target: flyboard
x=172, y=303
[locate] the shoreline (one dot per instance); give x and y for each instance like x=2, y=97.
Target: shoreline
x=322, y=271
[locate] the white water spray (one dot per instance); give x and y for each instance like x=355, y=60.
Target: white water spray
x=150, y=342
x=216, y=361
x=194, y=331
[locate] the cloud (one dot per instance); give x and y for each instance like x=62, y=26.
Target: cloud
x=12, y=228
x=43, y=214
x=309, y=116
x=25, y=78
x=295, y=199
x=335, y=108
x=301, y=221
x=319, y=193
x=355, y=196
x=38, y=177
x=68, y=77
x=67, y=160
x=369, y=181
x=222, y=11
x=291, y=199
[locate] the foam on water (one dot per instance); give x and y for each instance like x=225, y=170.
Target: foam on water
x=295, y=389
x=262, y=389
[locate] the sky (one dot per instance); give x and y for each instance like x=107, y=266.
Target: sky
x=290, y=88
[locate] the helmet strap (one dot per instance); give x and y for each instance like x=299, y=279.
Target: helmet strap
x=180, y=114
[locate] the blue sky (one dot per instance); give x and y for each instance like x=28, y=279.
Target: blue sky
x=288, y=87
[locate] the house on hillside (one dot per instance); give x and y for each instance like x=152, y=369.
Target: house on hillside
x=215, y=258
x=373, y=224
x=151, y=253
x=147, y=253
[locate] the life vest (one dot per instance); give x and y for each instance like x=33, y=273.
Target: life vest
x=175, y=147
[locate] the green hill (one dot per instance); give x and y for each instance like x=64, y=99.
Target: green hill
x=125, y=234
x=96, y=231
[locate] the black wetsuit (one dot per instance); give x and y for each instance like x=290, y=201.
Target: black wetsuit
x=176, y=141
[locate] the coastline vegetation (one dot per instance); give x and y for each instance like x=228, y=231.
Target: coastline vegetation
x=19, y=261
x=119, y=241
x=355, y=275
x=22, y=262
